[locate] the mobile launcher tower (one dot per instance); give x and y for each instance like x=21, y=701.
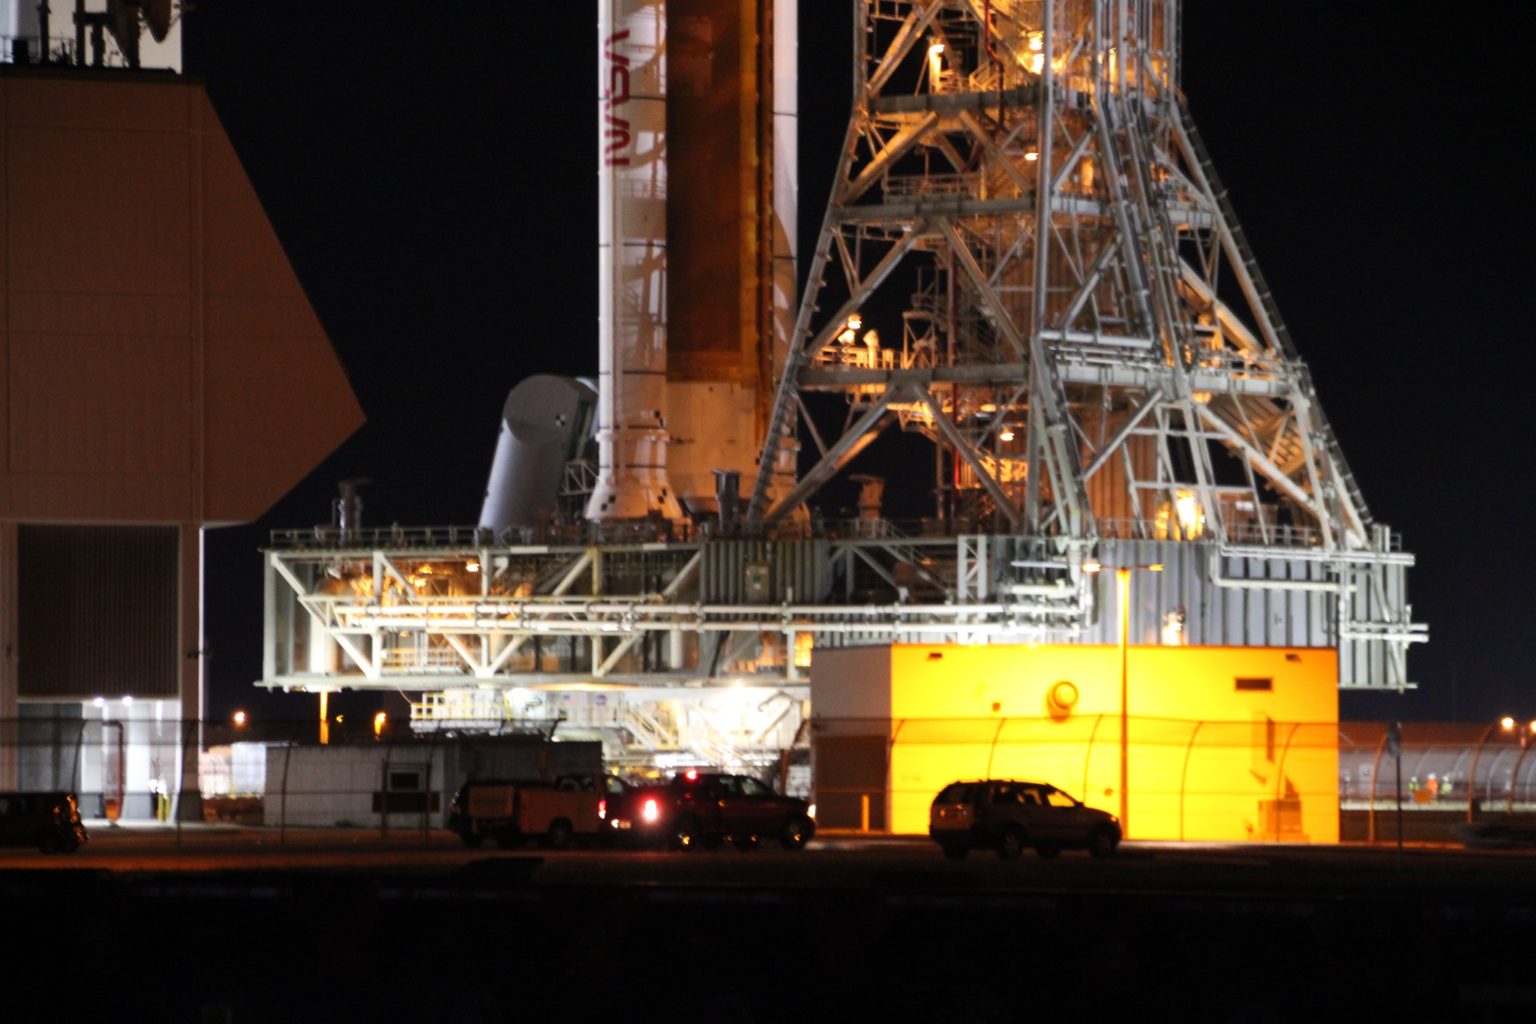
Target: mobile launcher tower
x=1027, y=262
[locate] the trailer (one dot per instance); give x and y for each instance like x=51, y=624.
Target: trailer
x=555, y=814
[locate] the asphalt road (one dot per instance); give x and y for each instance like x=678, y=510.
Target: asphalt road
x=216, y=924
x=829, y=861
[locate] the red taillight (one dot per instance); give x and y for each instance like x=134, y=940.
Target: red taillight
x=692, y=775
x=650, y=810
x=602, y=808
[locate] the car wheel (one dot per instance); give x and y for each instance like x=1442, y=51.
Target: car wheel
x=797, y=832
x=685, y=836
x=559, y=835
x=744, y=842
x=1103, y=843
x=1010, y=846
x=955, y=851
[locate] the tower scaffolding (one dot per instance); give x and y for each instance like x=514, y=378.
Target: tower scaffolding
x=1085, y=338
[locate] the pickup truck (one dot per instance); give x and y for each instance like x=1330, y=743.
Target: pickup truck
x=703, y=809
x=556, y=814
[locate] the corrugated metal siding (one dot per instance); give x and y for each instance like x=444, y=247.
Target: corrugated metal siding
x=1213, y=615
x=97, y=608
x=799, y=570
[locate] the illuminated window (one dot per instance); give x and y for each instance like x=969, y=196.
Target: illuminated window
x=1252, y=684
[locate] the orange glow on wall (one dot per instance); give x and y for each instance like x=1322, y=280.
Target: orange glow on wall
x=1225, y=743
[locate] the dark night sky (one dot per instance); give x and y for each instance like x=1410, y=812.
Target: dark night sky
x=433, y=182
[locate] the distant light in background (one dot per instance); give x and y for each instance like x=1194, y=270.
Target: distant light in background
x=240, y=719
x=380, y=720
x=471, y=566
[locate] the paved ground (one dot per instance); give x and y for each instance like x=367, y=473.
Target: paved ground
x=232, y=924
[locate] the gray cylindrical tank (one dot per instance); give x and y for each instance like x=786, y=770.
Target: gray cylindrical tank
x=545, y=423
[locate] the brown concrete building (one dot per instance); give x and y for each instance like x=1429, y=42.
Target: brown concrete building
x=163, y=372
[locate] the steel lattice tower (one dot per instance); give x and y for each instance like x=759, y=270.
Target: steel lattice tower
x=1071, y=315
x=1086, y=335
x=1123, y=349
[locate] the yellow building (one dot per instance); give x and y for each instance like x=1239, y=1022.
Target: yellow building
x=1223, y=743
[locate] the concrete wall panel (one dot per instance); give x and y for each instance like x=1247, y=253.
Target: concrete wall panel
x=162, y=362
x=98, y=211
x=72, y=404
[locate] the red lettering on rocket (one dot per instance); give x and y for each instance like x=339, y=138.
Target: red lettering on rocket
x=616, y=129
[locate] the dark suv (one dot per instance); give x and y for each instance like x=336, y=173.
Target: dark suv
x=701, y=809
x=1007, y=815
x=48, y=821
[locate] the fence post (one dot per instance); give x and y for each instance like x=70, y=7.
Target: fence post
x=890, y=751
x=426, y=803
x=1370, y=830
x=282, y=822
x=1189, y=749
x=1514, y=776
x=1477, y=752
x=74, y=771
x=992, y=751
x=384, y=795
x=189, y=785
x=1088, y=755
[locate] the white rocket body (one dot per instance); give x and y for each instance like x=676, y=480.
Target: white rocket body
x=632, y=264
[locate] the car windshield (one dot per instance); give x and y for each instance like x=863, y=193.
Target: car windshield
x=954, y=793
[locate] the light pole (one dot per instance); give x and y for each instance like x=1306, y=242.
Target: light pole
x=1123, y=596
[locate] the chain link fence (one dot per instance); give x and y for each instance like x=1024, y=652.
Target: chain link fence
x=1168, y=778
x=276, y=773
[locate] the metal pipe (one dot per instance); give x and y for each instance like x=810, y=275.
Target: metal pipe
x=1318, y=586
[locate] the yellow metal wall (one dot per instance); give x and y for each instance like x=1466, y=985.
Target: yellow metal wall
x=1206, y=760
